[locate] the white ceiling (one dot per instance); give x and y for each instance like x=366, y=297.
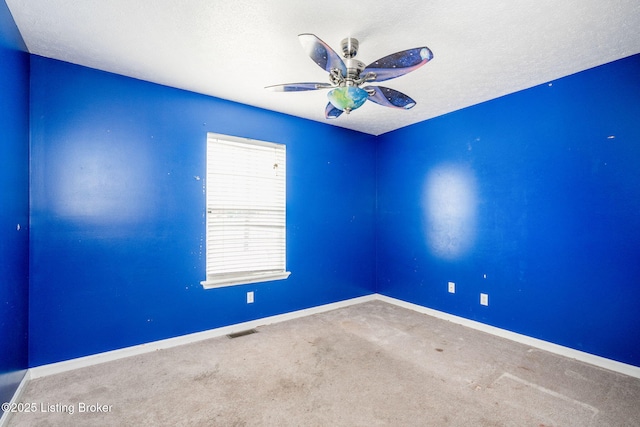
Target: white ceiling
x=233, y=49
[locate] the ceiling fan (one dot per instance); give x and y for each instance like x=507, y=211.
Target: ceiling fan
x=348, y=78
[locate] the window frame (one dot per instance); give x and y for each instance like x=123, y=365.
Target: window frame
x=240, y=277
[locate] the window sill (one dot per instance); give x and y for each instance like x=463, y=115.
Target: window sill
x=243, y=279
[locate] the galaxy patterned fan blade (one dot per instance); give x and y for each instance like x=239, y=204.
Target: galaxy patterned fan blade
x=398, y=64
x=331, y=112
x=297, y=87
x=322, y=54
x=390, y=97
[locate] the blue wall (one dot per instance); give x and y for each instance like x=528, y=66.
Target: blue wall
x=117, y=214
x=534, y=199
x=14, y=205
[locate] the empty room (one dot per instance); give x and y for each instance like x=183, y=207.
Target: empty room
x=320, y=213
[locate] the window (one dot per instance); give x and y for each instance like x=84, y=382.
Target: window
x=246, y=211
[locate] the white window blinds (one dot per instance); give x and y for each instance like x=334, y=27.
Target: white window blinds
x=246, y=211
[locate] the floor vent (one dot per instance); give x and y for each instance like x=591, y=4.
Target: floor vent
x=242, y=333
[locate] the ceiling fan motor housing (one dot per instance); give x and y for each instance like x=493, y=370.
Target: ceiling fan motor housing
x=354, y=68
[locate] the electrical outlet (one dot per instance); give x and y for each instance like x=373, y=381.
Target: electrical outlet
x=484, y=299
x=452, y=287
x=250, y=297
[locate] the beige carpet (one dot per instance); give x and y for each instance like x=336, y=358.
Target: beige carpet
x=371, y=364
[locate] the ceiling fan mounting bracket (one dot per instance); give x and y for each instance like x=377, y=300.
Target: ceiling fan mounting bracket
x=350, y=47
x=336, y=78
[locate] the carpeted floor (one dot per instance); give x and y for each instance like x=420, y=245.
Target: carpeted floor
x=371, y=364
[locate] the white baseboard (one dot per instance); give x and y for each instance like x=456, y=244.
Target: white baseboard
x=81, y=362
x=94, y=359
x=4, y=419
x=602, y=362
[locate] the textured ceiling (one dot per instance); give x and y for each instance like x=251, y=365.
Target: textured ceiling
x=233, y=49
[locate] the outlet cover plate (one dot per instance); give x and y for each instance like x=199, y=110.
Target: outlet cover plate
x=484, y=299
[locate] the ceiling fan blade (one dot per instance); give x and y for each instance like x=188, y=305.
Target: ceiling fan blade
x=296, y=87
x=390, y=97
x=322, y=54
x=331, y=112
x=398, y=64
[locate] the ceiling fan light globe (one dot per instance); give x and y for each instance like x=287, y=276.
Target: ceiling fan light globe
x=347, y=98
